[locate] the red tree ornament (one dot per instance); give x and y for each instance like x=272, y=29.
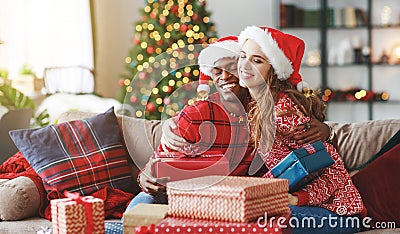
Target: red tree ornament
x=162, y=20
x=170, y=89
x=142, y=75
x=160, y=42
x=150, y=50
x=174, y=9
x=184, y=28
x=150, y=107
x=133, y=99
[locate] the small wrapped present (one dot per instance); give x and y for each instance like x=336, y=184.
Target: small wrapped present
x=114, y=227
x=301, y=163
x=143, y=215
x=76, y=214
x=276, y=224
x=228, y=198
x=178, y=166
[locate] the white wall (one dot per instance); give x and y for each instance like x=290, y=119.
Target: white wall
x=231, y=16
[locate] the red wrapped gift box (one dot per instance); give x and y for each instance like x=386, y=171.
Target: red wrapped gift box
x=178, y=166
x=277, y=224
x=77, y=215
x=228, y=198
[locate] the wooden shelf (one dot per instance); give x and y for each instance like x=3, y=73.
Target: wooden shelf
x=364, y=29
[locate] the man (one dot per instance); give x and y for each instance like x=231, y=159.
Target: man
x=219, y=123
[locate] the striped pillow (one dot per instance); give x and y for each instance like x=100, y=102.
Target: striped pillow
x=79, y=156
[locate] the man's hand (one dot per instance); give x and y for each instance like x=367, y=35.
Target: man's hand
x=293, y=200
x=314, y=131
x=148, y=182
x=169, y=139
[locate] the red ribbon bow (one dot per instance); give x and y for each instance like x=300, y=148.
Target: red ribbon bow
x=310, y=149
x=88, y=208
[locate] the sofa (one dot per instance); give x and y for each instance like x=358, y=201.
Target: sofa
x=19, y=197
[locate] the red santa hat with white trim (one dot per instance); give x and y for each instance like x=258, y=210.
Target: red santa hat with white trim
x=284, y=52
x=224, y=47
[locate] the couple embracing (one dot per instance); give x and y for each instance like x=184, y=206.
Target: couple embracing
x=262, y=111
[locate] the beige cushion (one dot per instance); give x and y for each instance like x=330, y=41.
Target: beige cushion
x=27, y=226
x=19, y=199
x=2, y=181
x=141, y=136
x=358, y=142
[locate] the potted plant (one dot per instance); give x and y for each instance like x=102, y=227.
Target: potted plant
x=13, y=99
x=25, y=81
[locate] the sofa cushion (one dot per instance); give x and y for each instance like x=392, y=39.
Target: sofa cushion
x=19, y=199
x=359, y=142
x=79, y=156
x=395, y=140
x=141, y=146
x=378, y=186
x=27, y=226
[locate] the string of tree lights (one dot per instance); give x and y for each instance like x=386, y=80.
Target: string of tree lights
x=354, y=94
x=163, y=57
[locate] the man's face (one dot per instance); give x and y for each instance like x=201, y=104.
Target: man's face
x=226, y=81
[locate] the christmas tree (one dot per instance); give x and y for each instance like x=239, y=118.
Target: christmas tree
x=162, y=63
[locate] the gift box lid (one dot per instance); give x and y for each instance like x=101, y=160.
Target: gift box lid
x=173, y=154
x=145, y=214
x=229, y=186
x=276, y=224
x=71, y=202
x=320, y=157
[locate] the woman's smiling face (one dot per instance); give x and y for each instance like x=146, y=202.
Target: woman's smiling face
x=253, y=65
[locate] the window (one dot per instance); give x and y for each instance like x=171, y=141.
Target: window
x=45, y=33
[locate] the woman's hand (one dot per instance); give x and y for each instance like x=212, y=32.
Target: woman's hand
x=148, y=182
x=169, y=139
x=293, y=200
x=314, y=131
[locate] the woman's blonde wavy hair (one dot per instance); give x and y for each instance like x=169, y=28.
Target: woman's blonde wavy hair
x=262, y=113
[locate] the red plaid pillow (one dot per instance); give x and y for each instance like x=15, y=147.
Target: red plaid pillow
x=79, y=156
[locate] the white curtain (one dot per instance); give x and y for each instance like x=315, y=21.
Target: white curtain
x=45, y=33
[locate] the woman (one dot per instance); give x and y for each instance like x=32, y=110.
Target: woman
x=269, y=66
